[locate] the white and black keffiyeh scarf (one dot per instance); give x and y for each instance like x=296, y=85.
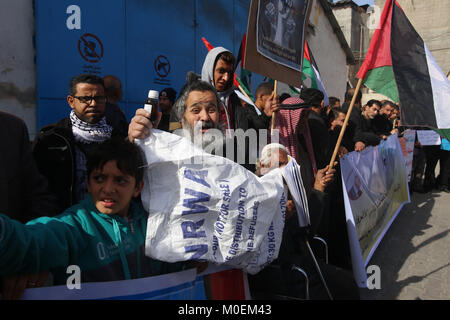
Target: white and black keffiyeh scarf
x=90, y=133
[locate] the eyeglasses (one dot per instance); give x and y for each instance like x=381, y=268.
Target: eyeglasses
x=88, y=99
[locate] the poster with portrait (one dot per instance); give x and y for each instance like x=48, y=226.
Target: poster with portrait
x=280, y=31
x=375, y=181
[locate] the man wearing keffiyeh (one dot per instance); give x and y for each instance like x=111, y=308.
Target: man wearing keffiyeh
x=60, y=149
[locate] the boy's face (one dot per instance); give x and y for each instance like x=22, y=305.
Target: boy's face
x=112, y=190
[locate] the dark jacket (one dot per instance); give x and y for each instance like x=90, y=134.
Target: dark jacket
x=247, y=118
x=382, y=125
x=23, y=191
x=320, y=139
x=364, y=130
x=116, y=118
x=54, y=152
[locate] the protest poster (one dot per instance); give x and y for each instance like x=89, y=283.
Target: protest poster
x=280, y=28
x=183, y=285
x=428, y=138
x=407, y=145
x=375, y=189
x=283, y=61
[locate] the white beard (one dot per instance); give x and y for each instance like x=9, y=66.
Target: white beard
x=209, y=141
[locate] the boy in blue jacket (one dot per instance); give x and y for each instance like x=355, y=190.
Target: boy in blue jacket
x=104, y=234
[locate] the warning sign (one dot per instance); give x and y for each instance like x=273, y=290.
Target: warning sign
x=90, y=48
x=162, y=66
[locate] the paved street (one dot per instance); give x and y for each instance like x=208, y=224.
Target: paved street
x=414, y=255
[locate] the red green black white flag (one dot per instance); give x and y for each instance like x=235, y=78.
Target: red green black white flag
x=400, y=66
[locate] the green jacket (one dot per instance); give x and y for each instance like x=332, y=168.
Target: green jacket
x=105, y=247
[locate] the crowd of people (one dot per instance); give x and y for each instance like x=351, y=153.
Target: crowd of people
x=72, y=196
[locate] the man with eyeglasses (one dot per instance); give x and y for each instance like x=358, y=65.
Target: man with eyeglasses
x=60, y=149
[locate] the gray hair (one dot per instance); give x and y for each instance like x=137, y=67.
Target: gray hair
x=266, y=153
x=180, y=105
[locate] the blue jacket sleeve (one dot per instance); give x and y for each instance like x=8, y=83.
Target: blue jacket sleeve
x=42, y=244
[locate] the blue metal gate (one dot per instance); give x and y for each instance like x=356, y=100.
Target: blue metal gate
x=148, y=44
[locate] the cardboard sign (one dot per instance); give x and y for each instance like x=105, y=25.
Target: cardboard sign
x=257, y=63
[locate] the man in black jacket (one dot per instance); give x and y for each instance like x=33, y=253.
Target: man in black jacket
x=24, y=192
x=60, y=149
x=318, y=126
x=365, y=133
x=382, y=124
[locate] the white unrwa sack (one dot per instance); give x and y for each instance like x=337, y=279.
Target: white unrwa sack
x=206, y=207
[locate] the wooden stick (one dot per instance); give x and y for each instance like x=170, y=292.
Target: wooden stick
x=273, y=113
x=245, y=93
x=344, y=126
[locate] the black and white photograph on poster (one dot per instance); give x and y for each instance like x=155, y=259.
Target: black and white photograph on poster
x=280, y=30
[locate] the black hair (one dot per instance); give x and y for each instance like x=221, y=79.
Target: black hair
x=226, y=56
x=84, y=78
x=127, y=155
x=332, y=101
x=170, y=92
x=349, y=95
x=371, y=102
x=389, y=103
x=335, y=111
x=312, y=96
x=266, y=87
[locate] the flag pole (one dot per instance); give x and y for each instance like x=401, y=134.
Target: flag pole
x=344, y=126
x=244, y=93
x=273, y=113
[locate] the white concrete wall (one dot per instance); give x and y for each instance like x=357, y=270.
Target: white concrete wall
x=17, y=67
x=328, y=53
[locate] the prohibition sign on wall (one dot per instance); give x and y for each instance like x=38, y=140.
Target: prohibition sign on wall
x=162, y=66
x=90, y=48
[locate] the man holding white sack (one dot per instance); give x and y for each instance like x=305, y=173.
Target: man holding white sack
x=198, y=110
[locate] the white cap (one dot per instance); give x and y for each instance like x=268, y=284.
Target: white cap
x=153, y=94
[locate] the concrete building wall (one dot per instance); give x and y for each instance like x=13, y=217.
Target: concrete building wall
x=17, y=66
x=328, y=53
x=353, y=21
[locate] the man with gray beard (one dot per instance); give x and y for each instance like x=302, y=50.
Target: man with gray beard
x=198, y=109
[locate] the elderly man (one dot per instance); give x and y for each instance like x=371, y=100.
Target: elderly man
x=278, y=279
x=198, y=110
x=197, y=107
x=60, y=149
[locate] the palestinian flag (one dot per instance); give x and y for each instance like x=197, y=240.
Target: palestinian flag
x=312, y=71
x=400, y=66
x=244, y=79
